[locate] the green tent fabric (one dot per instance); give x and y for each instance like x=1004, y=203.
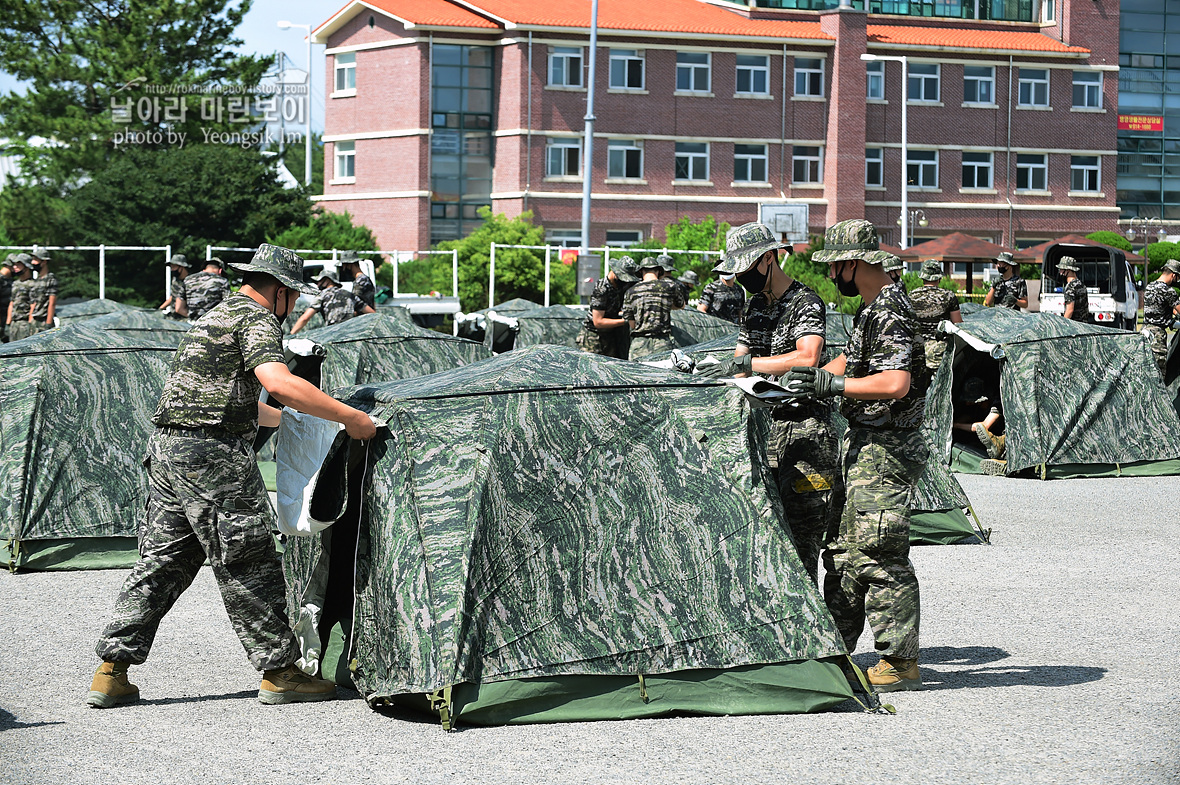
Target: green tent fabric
x=1073, y=395
x=542, y=529
x=472, y=325
x=75, y=409
x=141, y=325
x=88, y=309
x=691, y=327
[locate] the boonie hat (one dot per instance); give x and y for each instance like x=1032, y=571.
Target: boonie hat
x=852, y=239
x=1067, y=263
x=349, y=257
x=11, y=258
x=180, y=260
x=283, y=264
x=690, y=277
x=1004, y=258
x=931, y=270
x=745, y=246
x=23, y=259
x=665, y=263
x=1172, y=266
x=39, y=252
x=215, y=260
x=328, y=273
x=889, y=263
x=648, y=263
x=624, y=268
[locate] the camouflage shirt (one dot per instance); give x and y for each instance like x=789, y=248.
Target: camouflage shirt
x=1006, y=293
x=40, y=290
x=606, y=297
x=336, y=304
x=883, y=339
x=773, y=328
x=179, y=289
x=363, y=288
x=211, y=383
x=933, y=304
x=685, y=289
x=203, y=292
x=1075, y=292
x=650, y=305
x=1159, y=304
x=724, y=302
x=20, y=300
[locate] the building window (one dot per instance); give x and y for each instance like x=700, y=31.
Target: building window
x=626, y=69
x=977, y=170
x=874, y=167
x=753, y=74
x=345, y=72
x=565, y=238
x=749, y=163
x=979, y=84
x=624, y=159
x=565, y=66
x=809, y=76
x=1048, y=10
x=876, y=80
x=563, y=157
x=345, y=160
x=1032, y=172
x=623, y=238
x=1033, y=87
x=805, y=165
x=922, y=168
x=1087, y=89
x=1084, y=173
x=692, y=161
x=922, y=83
x=692, y=72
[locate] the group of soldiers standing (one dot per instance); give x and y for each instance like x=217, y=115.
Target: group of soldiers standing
x=26, y=303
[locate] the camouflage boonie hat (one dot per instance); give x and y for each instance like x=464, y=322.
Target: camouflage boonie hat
x=282, y=264
x=1172, y=266
x=11, y=258
x=328, y=273
x=648, y=263
x=1004, y=258
x=690, y=277
x=349, y=257
x=745, y=246
x=665, y=263
x=23, y=259
x=931, y=270
x=624, y=268
x=889, y=263
x=1067, y=263
x=852, y=239
x=215, y=260
x=180, y=260
x=39, y=252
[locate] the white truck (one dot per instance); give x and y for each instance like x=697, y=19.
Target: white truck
x=1114, y=298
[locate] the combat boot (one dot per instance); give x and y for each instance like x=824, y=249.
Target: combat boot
x=994, y=468
x=892, y=674
x=111, y=687
x=291, y=685
x=990, y=442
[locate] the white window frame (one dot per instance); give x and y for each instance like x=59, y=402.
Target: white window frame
x=875, y=80
x=917, y=74
x=344, y=79
x=1091, y=85
x=1049, y=10
x=976, y=167
x=1084, y=168
x=753, y=70
x=1031, y=168
x=625, y=57
x=980, y=81
x=814, y=173
x=927, y=163
x=564, y=238
x=875, y=156
x=695, y=160
x=344, y=154
x=572, y=73
x=809, y=72
x=623, y=149
x=564, y=144
x=747, y=160
x=1032, y=87
x=617, y=243
x=693, y=71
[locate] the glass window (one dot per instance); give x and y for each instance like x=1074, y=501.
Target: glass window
x=626, y=69
x=566, y=238
x=876, y=79
x=692, y=161
x=1084, y=173
x=563, y=157
x=809, y=76
x=753, y=74
x=922, y=168
x=692, y=72
x=806, y=166
x=1048, y=10
x=979, y=83
x=1087, y=89
x=977, y=170
x=624, y=159
x=1032, y=172
x=623, y=238
x=749, y=163
x=1033, y=87
x=874, y=167
x=565, y=66
x=345, y=160
x=923, y=82
x=346, y=71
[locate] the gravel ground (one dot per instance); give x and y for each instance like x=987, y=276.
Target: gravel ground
x=1046, y=659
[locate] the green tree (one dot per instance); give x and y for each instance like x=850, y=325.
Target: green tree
x=295, y=157
x=1113, y=239
x=814, y=275
x=1158, y=253
x=327, y=230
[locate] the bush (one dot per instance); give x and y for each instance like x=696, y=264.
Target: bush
x=1113, y=239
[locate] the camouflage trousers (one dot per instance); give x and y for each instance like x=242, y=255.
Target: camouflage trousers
x=1157, y=338
x=205, y=499
x=610, y=343
x=805, y=454
x=869, y=573
x=643, y=345
x=25, y=328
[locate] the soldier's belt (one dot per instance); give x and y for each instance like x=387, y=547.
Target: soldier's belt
x=208, y=433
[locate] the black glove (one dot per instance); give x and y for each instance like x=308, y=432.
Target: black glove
x=1009, y=301
x=807, y=382
x=722, y=367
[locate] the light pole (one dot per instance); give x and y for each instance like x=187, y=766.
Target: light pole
x=1161, y=234
x=905, y=162
x=588, y=142
x=915, y=217
x=285, y=25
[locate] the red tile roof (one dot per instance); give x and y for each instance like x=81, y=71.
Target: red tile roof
x=431, y=13
x=969, y=38
x=956, y=247
x=1036, y=253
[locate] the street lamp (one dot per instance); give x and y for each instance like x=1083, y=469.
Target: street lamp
x=915, y=219
x=285, y=25
x=1162, y=234
x=905, y=163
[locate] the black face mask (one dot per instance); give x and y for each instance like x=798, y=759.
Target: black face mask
x=36, y=267
x=846, y=288
x=753, y=280
x=275, y=310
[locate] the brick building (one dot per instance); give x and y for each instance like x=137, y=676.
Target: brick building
x=706, y=107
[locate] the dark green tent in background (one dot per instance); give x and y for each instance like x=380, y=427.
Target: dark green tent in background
x=67, y=313
x=512, y=565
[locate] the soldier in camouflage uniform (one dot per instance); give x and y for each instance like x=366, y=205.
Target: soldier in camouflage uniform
x=5, y=294
x=335, y=303
x=206, y=498
x=724, y=299
x=41, y=293
x=933, y=304
x=1009, y=290
x=687, y=282
x=867, y=557
x=1076, y=298
x=648, y=307
x=1161, y=306
x=203, y=291
x=180, y=266
x=18, y=307
x=784, y=328
x=605, y=332
x=362, y=285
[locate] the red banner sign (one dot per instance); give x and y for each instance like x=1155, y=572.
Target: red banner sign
x=1140, y=122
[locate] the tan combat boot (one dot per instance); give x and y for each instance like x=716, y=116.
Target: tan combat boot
x=111, y=687
x=291, y=685
x=992, y=443
x=895, y=673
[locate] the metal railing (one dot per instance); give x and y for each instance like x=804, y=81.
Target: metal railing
x=102, y=259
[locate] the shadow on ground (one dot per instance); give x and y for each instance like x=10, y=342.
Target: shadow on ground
x=8, y=721
x=971, y=667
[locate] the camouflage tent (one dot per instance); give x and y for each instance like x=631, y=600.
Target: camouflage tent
x=141, y=325
x=1078, y=400
x=88, y=309
x=472, y=326
x=75, y=408
x=690, y=327
x=552, y=535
